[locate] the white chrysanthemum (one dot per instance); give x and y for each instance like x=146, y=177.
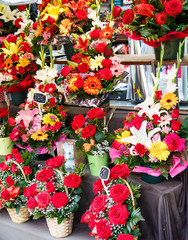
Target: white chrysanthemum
x=95, y=63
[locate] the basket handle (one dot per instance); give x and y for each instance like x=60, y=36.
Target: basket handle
x=62, y=179
x=19, y=168
x=131, y=192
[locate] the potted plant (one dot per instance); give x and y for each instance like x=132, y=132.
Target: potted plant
x=92, y=138
x=53, y=193
x=15, y=173
x=114, y=213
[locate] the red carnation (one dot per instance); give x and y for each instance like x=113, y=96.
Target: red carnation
x=106, y=74
x=108, y=52
x=83, y=68
x=35, y=25
x=158, y=95
x=88, y=131
x=175, y=113
x=55, y=162
x=15, y=58
x=95, y=33
x=106, y=63
x=17, y=22
x=100, y=47
x=59, y=199
x=116, y=11
x=128, y=16
x=116, y=144
x=78, y=121
x=175, y=125
x=21, y=7
x=72, y=181
x=9, y=181
x=81, y=14
x=79, y=82
x=156, y=119
x=95, y=113
x=65, y=71
x=140, y=149
x=160, y=18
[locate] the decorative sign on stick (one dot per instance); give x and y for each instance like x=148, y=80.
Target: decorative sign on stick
x=17, y=2
x=104, y=176
x=39, y=98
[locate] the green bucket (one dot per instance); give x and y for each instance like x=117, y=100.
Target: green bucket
x=96, y=162
x=152, y=179
x=18, y=97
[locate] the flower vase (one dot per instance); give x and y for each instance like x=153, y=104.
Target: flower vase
x=18, y=97
x=171, y=48
x=96, y=162
x=22, y=217
x=6, y=146
x=60, y=230
x=69, y=50
x=151, y=179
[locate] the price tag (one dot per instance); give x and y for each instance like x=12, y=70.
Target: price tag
x=104, y=176
x=39, y=98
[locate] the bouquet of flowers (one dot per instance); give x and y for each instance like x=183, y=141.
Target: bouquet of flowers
x=17, y=65
x=114, y=214
x=152, y=136
x=94, y=71
x=90, y=132
x=15, y=172
x=53, y=193
x=154, y=21
x=38, y=128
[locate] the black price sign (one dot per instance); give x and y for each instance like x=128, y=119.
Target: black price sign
x=39, y=98
x=104, y=173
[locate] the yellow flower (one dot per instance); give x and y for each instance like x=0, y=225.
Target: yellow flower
x=51, y=11
x=39, y=136
x=169, y=100
x=11, y=48
x=23, y=63
x=123, y=135
x=160, y=151
x=72, y=86
x=95, y=63
x=65, y=26
x=50, y=119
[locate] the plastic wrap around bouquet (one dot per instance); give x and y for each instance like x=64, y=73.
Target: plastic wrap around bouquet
x=94, y=72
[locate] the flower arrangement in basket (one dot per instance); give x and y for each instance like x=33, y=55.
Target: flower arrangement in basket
x=154, y=21
x=114, y=213
x=53, y=193
x=17, y=65
x=15, y=172
x=94, y=72
x=152, y=136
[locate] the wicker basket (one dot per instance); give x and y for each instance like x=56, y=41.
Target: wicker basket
x=60, y=230
x=22, y=217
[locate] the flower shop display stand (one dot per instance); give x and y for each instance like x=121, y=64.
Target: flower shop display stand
x=162, y=207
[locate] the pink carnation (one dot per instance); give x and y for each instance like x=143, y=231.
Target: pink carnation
x=174, y=142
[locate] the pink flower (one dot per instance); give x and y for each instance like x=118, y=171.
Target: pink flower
x=28, y=55
x=115, y=60
x=117, y=70
x=27, y=116
x=174, y=142
x=149, y=126
x=165, y=130
x=24, y=138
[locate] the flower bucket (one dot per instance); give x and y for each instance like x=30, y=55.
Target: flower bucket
x=171, y=48
x=22, y=217
x=60, y=230
x=152, y=179
x=6, y=147
x=18, y=97
x=69, y=50
x=96, y=162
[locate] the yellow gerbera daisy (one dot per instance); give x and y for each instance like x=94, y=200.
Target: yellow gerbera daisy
x=92, y=85
x=160, y=151
x=95, y=63
x=39, y=136
x=123, y=135
x=65, y=26
x=72, y=86
x=169, y=100
x=50, y=119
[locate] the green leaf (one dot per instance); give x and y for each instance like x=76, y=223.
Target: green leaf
x=37, y=216
x=78, y=190
x=60, y=219
x=73, y=208
x=99, y=137
x=79, y=143
x=17, y=210
x=76, y=198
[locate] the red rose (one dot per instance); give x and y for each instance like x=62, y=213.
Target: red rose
x=25, y=47
x=158, y=95
x=17, y=22
x=83, y=68
x=79, y=82
x=125, y=237
x=119, y=171
x=106, y=63
x=160, y=18
x=156, y=119
x=88, y=131
x=128, y=16
x=95, y=113
x=72, y=181
x=116, y=11
x=21, y=7
x=106, y=74
x=3, y=112
x=13, y=169
x=118, y=214
x=65, y=71
x=27, y=170
x=104, y=229
x=9, y=181
x=119, y=193
x=173, y=7
x=50, y=187
x=59, y=199
x=95, y=33
x=81, y=14
x=32, y=203
x=175, y=126
x=108, y=52
x=98, y=204
x=11, y=121
x=175, y=113
x=6, y=195
x=100, y=47
x=116, y=144
x=97, y=186
x=35, y=25
x=86, y=217
x=44, y=175
x=43, y=199
x=55, y=162
x=30, y=191
x=78, y=121
x=140, y=149
x=3, y=167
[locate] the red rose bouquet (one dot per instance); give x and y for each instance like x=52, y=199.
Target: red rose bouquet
x=153, y=21
x=53, y=193
x=15, y=173
x=94, y=71
x=114, y=214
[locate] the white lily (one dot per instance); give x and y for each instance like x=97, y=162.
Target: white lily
x=8, y=15
x=141, y=136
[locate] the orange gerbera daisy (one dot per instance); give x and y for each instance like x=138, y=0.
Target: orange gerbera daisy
x=65, y=26
x=92, y=85
x=8, y=63
x=72, y=86
x=106, y=32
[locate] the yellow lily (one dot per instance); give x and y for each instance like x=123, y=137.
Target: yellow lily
x=51, y=11
x=23, y=62
x=11, y=48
